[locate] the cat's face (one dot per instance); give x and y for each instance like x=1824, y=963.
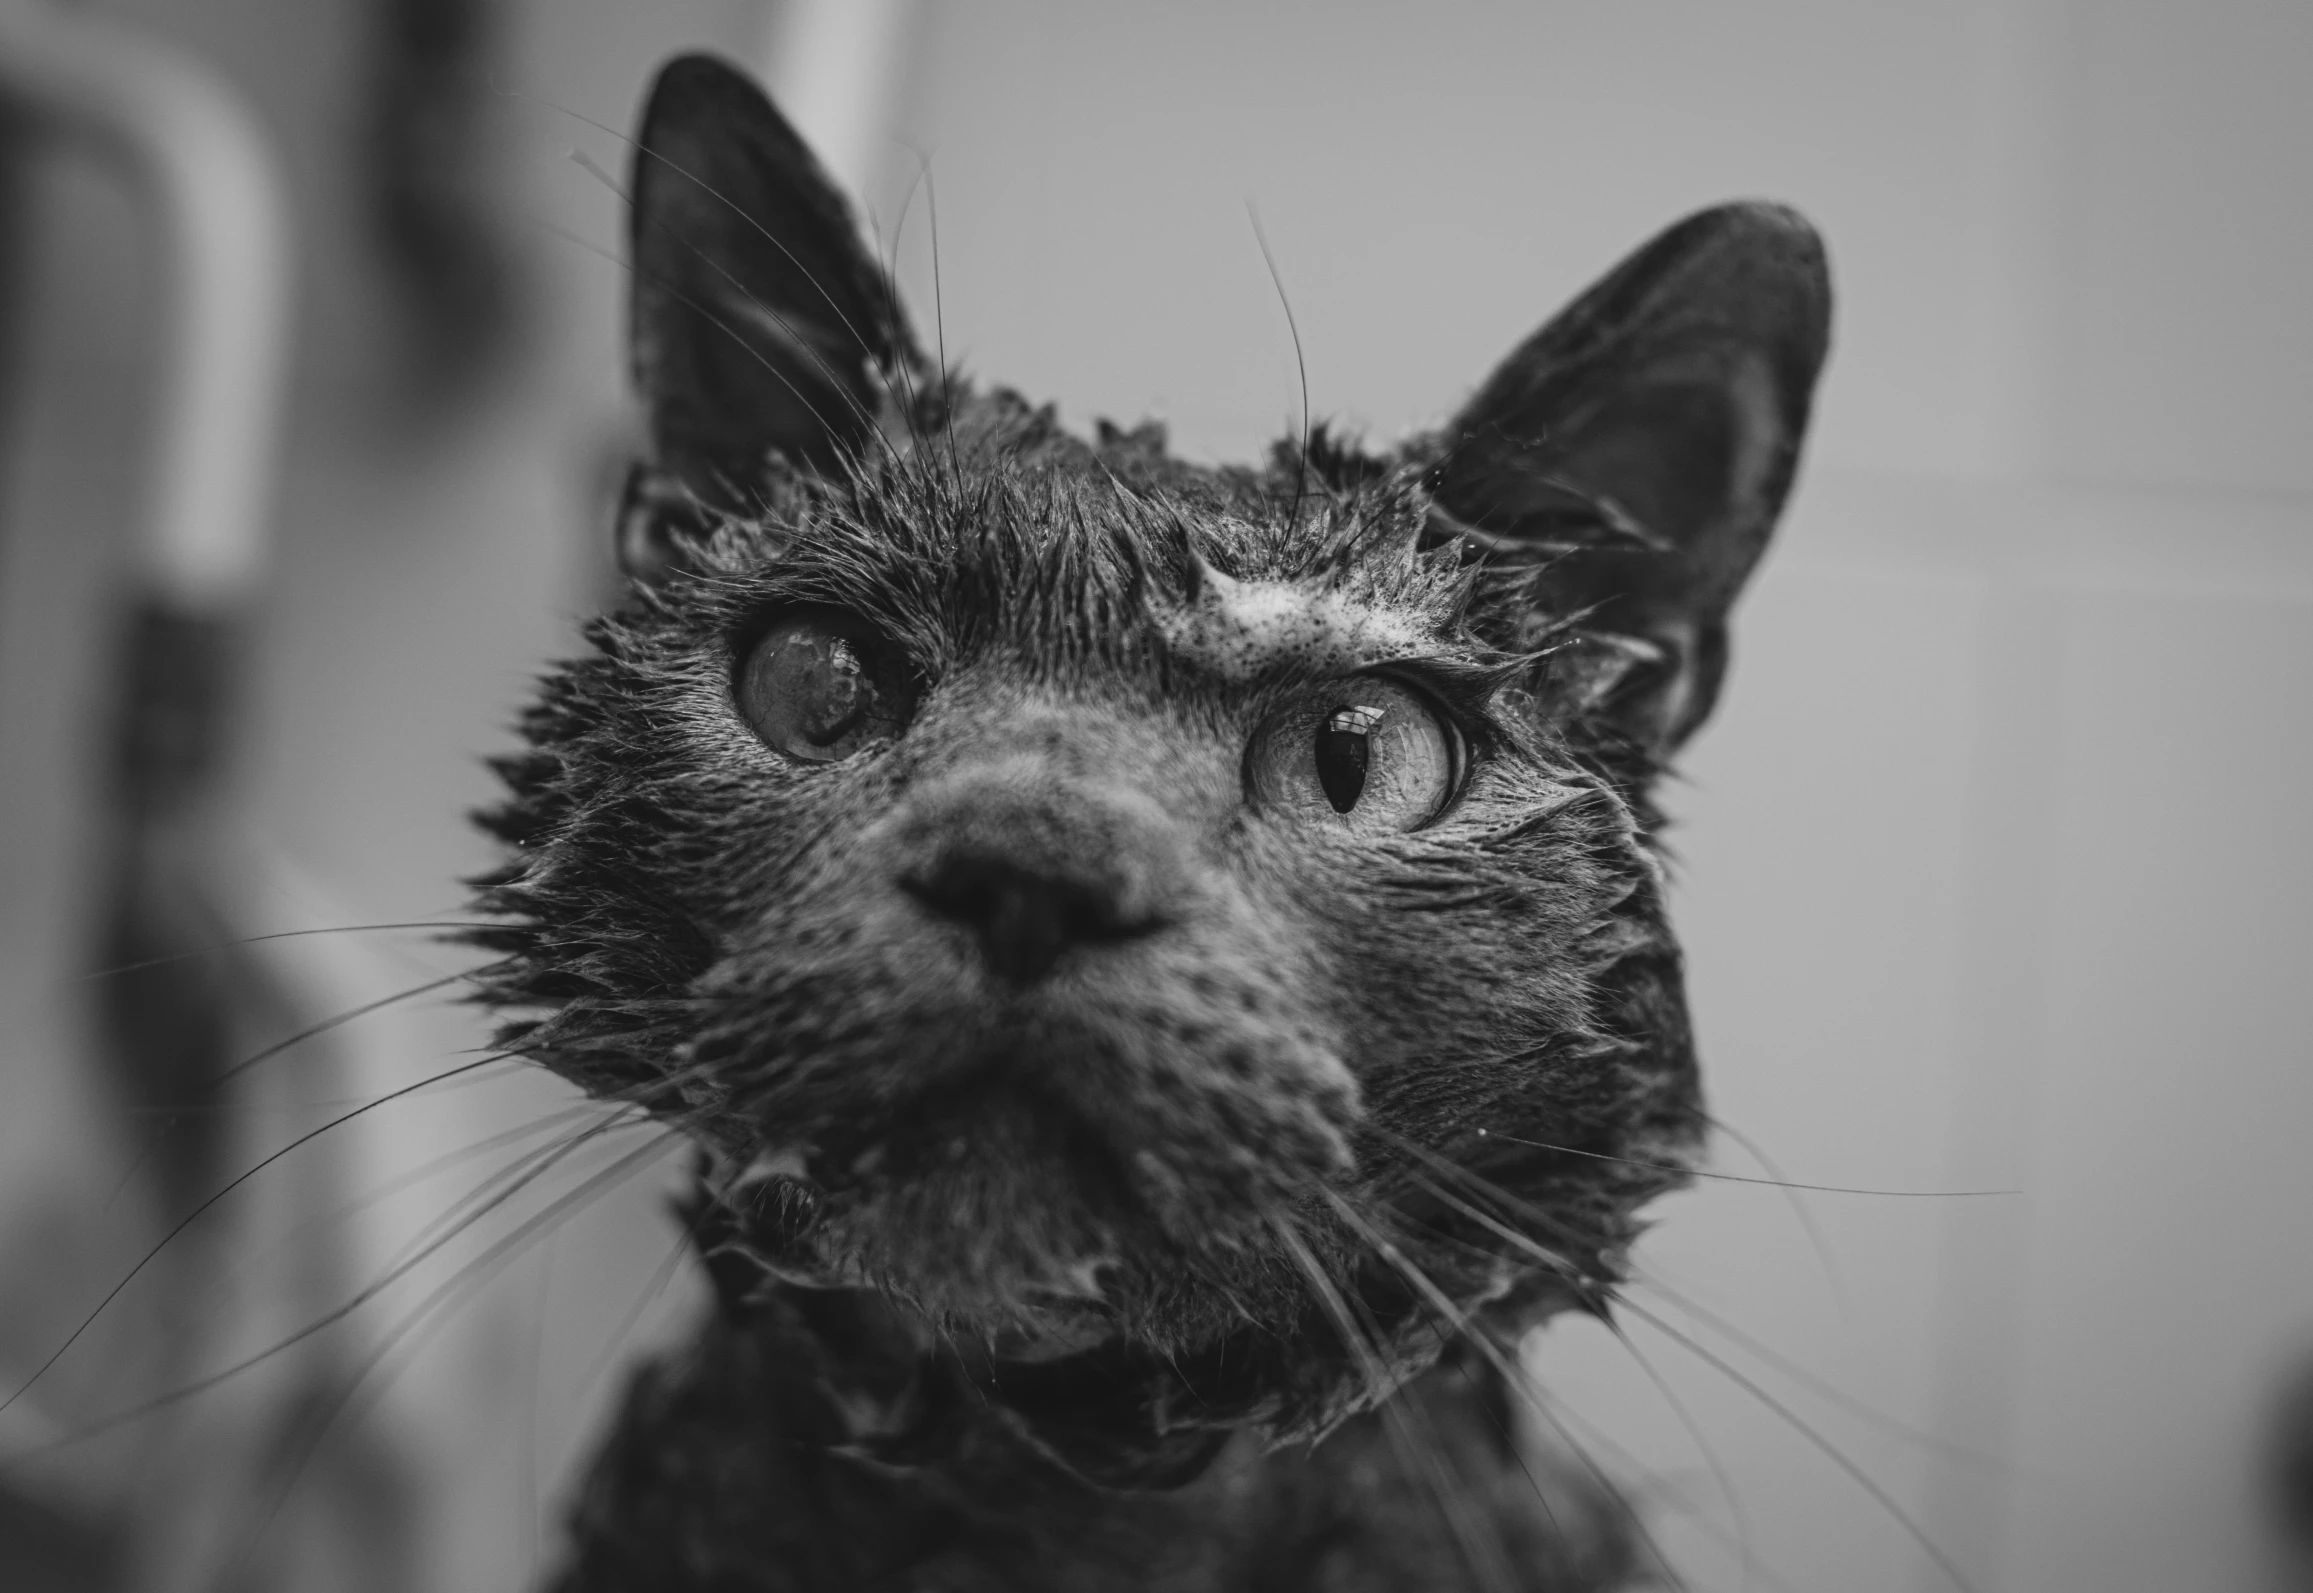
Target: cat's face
x=1124, y=909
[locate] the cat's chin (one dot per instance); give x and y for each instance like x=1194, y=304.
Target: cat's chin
x=1055, y=1182
x=1122, y=1353
x=1013, y=1222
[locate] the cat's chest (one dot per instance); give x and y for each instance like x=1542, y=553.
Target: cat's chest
x=742, y=1471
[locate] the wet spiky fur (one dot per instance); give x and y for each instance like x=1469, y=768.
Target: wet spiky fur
x=655, y=853
x=1053, y=1282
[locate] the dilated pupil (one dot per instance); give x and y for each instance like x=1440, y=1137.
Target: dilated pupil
x=1344, y=754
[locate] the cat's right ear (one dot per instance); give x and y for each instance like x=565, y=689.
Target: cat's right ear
x=1635, y=454
x=763, y=329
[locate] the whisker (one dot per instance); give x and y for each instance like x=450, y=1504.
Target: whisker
x=940, y=325
x=1799, y=1211
x=248, y=1111
x=1702, y=1443
x=710, y=191
x=903, y=368
x=1562, y=1266
x=328, y=1319
x=1277, y=280
x=1562, y=1417
x=704, y=314
x=1856, y=1473
x=1516, y=1447
x=168, y=1116
x=529, y=1445
x=611, y=1346
x=1329, y=1298
x=1455, y=1322
x=1483, y=1549
x=413, y=1176
x=1478, y=1547
x=1743, y=1538
x=1738, y=1178
x=278, y=934
x=526, y=1170
x=195, y=1214
x=467, y=1282
x=593, y=168
x=1821, y=1386
x=263, y=1108
x=1559, y=1264
x=1460, y=1323
x=1831, y=1451
x=860, y=411
x=315, y=1031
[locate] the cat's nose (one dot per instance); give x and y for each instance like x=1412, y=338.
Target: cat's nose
x=1035, y=874
x=1025, y=916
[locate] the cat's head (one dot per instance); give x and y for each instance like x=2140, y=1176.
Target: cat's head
x=1196, y=925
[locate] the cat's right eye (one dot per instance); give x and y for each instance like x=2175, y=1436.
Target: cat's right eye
x=1368, y=754
x=820, y=684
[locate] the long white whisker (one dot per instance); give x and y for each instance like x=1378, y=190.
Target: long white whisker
x=1458, y=1321
x=1478, y=1545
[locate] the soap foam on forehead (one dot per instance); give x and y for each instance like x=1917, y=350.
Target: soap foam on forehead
x=1243, y=630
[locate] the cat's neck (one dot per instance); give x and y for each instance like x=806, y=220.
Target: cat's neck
x=819, y=1440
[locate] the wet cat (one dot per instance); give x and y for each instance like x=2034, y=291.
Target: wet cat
x=1166, y=967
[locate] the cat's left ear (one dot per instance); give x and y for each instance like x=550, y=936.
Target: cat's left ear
x=763, y=329
x=1637, y=451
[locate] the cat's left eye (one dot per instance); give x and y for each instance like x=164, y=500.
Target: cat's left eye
x=820, y=684
x=1367, y=754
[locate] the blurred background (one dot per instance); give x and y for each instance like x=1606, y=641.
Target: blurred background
x=1995, y=870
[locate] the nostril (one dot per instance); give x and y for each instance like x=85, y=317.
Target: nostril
x=1026, y=917
x=965, y=894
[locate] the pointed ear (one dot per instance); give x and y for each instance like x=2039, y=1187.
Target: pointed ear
x=763, y=328
x=1637, y=451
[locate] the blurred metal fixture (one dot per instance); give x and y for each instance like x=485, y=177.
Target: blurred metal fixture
x=836, y=67
x=432, y=177
x=188, y=143
x=170, y=1016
